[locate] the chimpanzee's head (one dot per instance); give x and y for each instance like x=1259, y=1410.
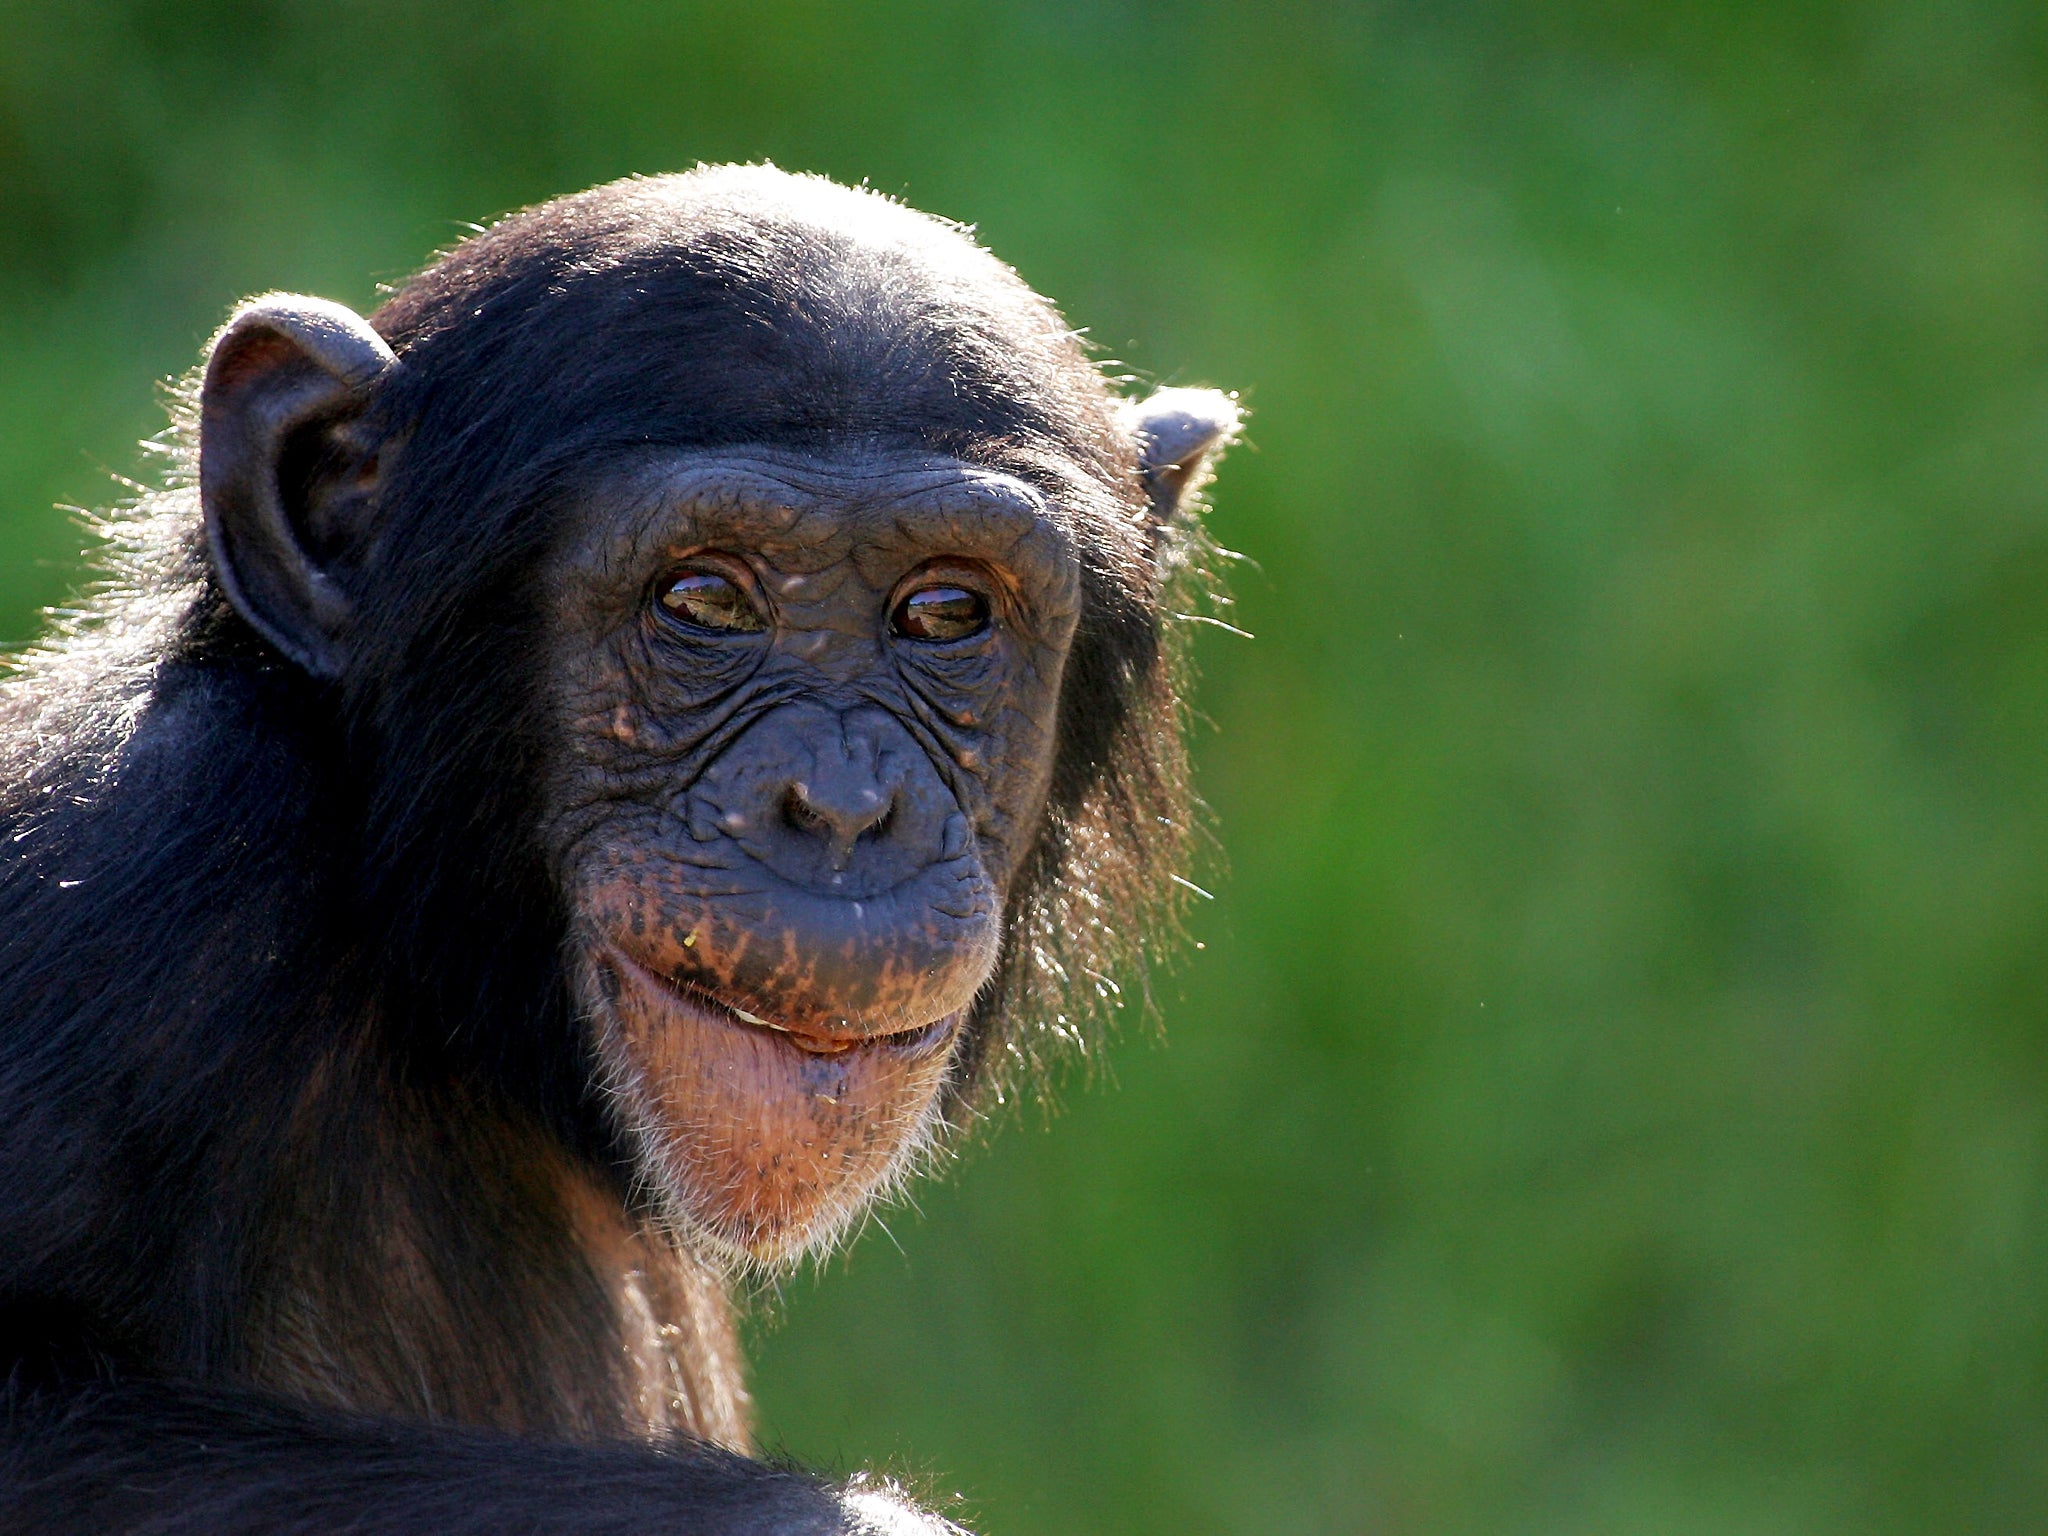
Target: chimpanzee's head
x=749, y=610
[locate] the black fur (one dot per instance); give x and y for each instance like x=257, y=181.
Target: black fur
x=233, y=891
x=192, y=1461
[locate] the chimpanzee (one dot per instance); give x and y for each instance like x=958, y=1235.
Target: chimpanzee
x=577, y=782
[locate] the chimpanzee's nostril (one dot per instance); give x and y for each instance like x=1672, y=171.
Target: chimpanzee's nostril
x=797, y=812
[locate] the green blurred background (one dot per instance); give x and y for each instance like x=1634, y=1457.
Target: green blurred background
x=1613, y=1096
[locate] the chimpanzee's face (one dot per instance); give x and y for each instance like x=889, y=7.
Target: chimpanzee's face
x=789, y=741
x=807, y=710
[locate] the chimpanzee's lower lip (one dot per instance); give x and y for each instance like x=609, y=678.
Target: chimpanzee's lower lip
x=909, y=1042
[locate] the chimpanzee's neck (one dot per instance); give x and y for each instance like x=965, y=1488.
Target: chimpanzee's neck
x=438, y=1256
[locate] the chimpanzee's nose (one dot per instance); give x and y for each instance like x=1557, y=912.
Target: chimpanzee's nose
x=841, y=807
x=844, y=803
x=846, y=790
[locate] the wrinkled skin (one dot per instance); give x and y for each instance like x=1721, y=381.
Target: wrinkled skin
x=789, y=848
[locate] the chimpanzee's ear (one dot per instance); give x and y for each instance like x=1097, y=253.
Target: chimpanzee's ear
x=285, y=473
x=1180, y=433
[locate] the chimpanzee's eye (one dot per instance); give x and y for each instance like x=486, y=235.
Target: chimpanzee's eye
x=940, y=613
x=706, y=600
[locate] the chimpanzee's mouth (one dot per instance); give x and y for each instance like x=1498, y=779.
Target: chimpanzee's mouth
x=913, y=1042
x=763, y=1134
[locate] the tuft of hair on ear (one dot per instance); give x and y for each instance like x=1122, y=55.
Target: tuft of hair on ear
x=1180, y=434
x=1101, y=903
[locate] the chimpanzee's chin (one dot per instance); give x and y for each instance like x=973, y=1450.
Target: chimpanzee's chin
x=765, y=1140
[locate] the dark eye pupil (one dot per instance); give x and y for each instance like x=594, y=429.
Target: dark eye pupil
x=705, y=600
x=941, y=613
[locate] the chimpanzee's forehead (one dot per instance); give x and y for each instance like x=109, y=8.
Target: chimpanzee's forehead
x=804, y=511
